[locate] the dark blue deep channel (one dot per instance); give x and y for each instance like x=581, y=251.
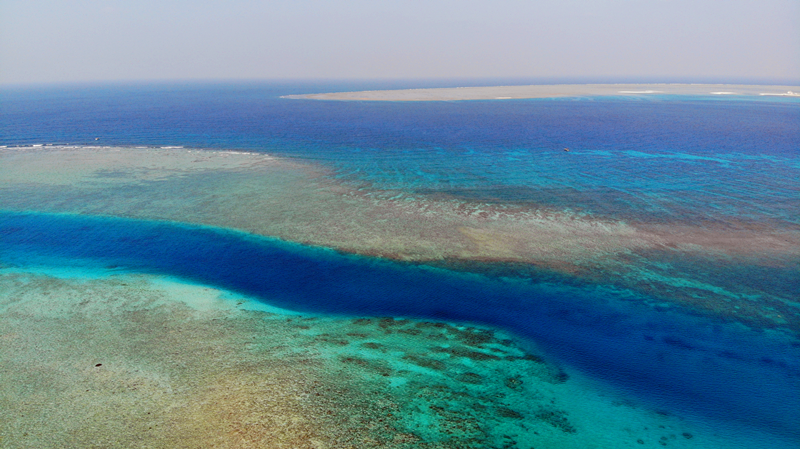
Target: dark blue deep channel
x=679, y=362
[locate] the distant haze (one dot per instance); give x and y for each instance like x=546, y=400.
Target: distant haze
x=654, y=40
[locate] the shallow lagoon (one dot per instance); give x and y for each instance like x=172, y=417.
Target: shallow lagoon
x=642, y=317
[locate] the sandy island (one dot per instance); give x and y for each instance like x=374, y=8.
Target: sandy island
x=552, y=91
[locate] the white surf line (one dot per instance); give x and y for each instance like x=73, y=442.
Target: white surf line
x=787, y=94
x=723, y=93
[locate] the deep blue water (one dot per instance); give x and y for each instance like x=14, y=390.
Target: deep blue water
x=679, y=362
x=670, y=160
x=662, y=158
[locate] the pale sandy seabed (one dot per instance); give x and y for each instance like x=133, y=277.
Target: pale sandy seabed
x=297, y=201
x=143, y=361
x=556, y=90
x=184, y=365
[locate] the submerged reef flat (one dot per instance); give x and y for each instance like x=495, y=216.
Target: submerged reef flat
x=111, y=359
x=551, y=91
x=615, y=268
x=300, y=201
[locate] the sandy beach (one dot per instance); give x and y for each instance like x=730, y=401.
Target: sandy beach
x=553, y=91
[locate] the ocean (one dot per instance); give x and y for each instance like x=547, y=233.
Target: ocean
x=654, y=264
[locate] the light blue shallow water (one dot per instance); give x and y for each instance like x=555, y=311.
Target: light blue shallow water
x=676, y=361
x=661, y=160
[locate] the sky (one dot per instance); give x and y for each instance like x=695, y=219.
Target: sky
x=57, y=41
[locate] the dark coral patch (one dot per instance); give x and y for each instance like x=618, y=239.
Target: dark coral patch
x=357, y=335
x=328, y=338
x=508, y=413
x=557, y=419
x=429, y=324
x=513, y=382
x=378, y=367
x=527, y=357
x=425, y=362
x=470, y=354
x=472, y=336
x=385, y=323
x=470, y=378
x=354, y=361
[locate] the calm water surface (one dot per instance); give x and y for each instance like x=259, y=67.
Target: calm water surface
x=661, y=160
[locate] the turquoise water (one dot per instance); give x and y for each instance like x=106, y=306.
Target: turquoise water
x=718, y=165
x=673, y=359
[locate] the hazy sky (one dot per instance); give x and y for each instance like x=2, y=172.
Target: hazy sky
x=703, y=40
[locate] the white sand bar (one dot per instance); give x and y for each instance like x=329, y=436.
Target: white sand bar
x=549, y=91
